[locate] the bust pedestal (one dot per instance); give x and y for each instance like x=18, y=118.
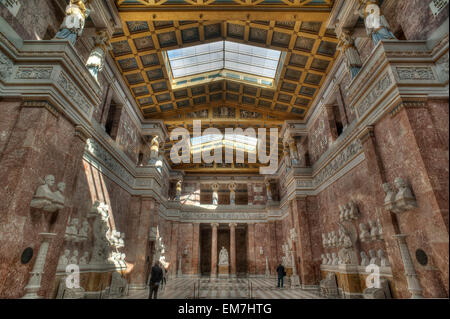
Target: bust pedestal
x=224, y=271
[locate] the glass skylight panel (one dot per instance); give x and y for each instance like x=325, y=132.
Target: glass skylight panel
x=251, y=59
x=197, y=59
x=224, y=55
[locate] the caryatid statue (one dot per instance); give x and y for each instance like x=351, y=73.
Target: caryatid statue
x=73, y=24
x=223, y=257
x=293, y=151
x=154, y=148
x=351, y=54
x=232, y=188
x=96, y=59
x=376, y=24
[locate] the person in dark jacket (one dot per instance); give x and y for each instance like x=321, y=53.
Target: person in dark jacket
x=281, y=273
x=155, y=279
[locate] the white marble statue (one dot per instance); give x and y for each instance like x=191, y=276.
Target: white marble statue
x=178, y=189
x=335, y=260
x=404, y=200
x=364, y=259
x=380, y=230
x=376, y=24
x=58, y=196
x=84, y=230
x=223, y=257
x=44, y=196
x=71, y=230
x=96, y=59
x=351, y=54
x=215, y=195
x=324, y=240
x=73, y=23
x=232, y=188
x=341, y=212
x=324, y=259
x=364, y=234
x=101, y=229
x=74, y=258
x=154, y=148
x=384, y=261
x=374, y=260
x=268, y=191
x=329, y=258
x=353, y=212
x=373, y=230
x=333, y=239
x=390, y=197
x=84, y=259
x=64, y=259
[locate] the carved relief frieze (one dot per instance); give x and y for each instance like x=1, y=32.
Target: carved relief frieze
x=72, y=91
x=370, y=99
x=34, y=73
x=415, y=73
x=6, y=67
x=107, y=160
x=338, y=162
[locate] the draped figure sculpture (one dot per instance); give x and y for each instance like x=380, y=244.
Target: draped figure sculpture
x=73, y=23
x=223, y=257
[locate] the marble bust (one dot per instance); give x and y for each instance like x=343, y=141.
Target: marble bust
x=84, y=259
x=404, y=199
x=223, y=257
x=390, y=196
x=71, y=229
x=64, y=259
x=364, y=234
x=330, y=260
x=364, y=259
x=384, y=262
x=44, y=195
x=374, y=258
x=335, y=260
x=324, y=259
x=74, y=258
x=84, y=231
x=58, y=196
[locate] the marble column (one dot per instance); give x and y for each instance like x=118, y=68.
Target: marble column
x=411, y=276
x=214, y=250
x=251, y=249
x=301, y=236
x=233, y=249
x=34, y=284
x=196, y=249
x=137, y=276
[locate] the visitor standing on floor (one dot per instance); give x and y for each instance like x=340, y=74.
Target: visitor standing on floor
x=155, y=280
x=281, y=273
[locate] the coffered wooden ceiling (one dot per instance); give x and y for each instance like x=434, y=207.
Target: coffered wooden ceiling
x=295, y=27
x=310, y=52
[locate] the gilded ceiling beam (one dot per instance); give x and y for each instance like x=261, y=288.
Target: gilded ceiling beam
x=224, y=14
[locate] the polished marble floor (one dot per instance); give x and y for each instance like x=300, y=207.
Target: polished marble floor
x=240, y=288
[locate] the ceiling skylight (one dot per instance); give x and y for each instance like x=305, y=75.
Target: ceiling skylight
x=224, y=55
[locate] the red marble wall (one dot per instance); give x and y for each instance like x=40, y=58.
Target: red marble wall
x=35, y=143
x=414, y=18
x=410, y=147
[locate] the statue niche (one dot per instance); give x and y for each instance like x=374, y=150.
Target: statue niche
x=223, y=263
